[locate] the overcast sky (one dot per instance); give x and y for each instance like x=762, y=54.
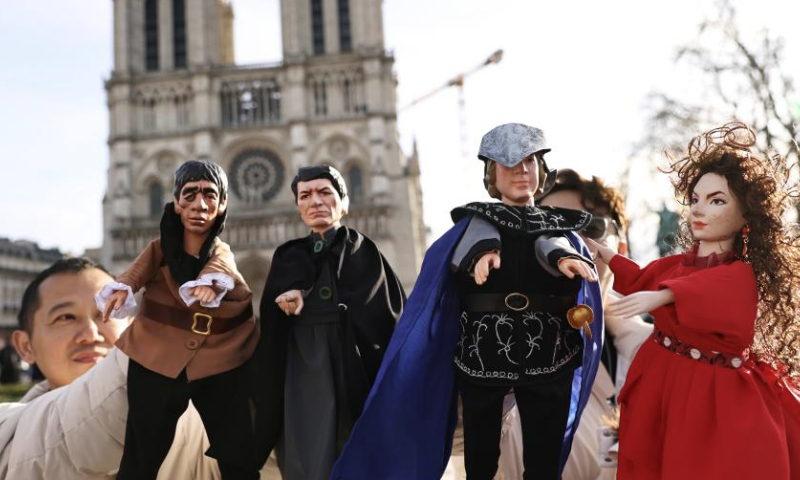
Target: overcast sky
x=580, y=70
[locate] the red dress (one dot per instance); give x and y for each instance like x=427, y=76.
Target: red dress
x=687, y=419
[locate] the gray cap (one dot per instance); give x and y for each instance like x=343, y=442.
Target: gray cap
x=510, y=143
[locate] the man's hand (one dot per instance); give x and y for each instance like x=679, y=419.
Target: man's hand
x=484, y=265
x=640, y=302
x=203, y=293
x=570, y=267
x=114, y=301
x=290, y=302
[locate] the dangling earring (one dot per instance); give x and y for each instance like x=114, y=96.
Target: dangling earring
x=745, y=240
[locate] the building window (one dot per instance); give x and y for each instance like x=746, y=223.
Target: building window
x=179, y=32
x=151, y=34
x=156, y=199
x=256, y=176
x=317, y=30
x=355, y=182
x=345, y=40
x=255, y=102
x=320, y=98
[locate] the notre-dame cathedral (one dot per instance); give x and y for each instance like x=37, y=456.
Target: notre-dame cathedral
x=176, y=93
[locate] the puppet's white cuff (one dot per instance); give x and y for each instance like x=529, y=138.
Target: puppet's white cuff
x=220, y=282
x=123, y=311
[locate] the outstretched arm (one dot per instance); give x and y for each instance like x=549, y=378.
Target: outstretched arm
x=641, y=302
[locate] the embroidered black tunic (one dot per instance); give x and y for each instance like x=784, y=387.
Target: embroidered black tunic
x=504, y=346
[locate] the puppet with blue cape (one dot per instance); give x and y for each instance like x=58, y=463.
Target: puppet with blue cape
x=406, y=427
x=446, y=341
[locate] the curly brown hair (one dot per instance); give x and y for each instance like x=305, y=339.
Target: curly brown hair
x=595, y=195
x=760, y=183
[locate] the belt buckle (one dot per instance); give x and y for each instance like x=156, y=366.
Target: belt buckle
x=516, y=294
x=208, y=317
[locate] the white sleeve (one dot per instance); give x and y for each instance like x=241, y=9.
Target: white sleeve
x=220, y=282
x=123, y=311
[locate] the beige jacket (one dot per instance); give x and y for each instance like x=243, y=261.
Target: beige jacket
x=77, y=432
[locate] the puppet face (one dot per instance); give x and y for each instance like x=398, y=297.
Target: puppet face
x=518, y=184
x=319, y=203
x=68, y=335
x=198, y=205
x=715, y=214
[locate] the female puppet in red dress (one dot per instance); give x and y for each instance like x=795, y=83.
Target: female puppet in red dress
x=713, y=394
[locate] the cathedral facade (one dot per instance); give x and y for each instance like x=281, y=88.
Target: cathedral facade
x=175, y=94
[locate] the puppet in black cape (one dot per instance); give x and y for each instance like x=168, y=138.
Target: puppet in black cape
x=374, y=299
x=406, y=427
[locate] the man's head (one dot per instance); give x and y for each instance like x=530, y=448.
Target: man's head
x=606, y=204
x=201, y=194
x=321, y=196
x=61, y=329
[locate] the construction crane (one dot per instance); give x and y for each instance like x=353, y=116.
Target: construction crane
x=458, y=82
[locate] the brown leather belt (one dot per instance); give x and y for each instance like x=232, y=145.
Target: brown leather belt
x=515, y=301
x=197, y=322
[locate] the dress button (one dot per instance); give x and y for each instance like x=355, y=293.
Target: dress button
x=695, y=353
x=667, y=342
x=192, y=344
x=736, y=362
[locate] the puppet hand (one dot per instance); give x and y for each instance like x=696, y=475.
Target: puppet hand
x=114, y=302
x=203, y=293
x=484, y=265
x=605, y=253
x=290, y=302
x=569, y=267
x=640, y=302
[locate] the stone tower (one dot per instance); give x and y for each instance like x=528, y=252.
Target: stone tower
x=176, y=94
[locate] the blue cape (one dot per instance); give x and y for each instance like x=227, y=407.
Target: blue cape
x=406, y=428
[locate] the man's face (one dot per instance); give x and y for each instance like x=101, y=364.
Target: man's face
x=198, y=204
x=519, y=183
x=319, y=204
x=68, y=336
x=612, y=238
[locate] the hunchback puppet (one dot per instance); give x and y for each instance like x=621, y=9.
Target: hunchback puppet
x=193, y=333
x=481, y=327
x=328, y=309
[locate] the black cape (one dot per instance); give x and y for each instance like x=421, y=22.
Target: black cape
x=374, y=299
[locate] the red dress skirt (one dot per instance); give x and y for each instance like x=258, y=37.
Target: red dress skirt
x=685, y=418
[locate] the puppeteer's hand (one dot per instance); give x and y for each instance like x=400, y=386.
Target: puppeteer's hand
x=570, y=267
x=203, y=293
x=290, y=302
x=484, y=265
x=114, y=301
x=640, y=302
x=605, y=253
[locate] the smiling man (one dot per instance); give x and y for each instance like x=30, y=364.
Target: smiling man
x=59, y=332
x=328, y=310
x=71, y=425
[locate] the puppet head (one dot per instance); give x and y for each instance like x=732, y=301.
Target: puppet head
x=510, y=145
x=321, y=196
x=201, y=194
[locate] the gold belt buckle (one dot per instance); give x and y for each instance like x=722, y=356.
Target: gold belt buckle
x=516, y=294
x=208, y=317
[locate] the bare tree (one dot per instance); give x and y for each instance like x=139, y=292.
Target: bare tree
x=741, y=77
